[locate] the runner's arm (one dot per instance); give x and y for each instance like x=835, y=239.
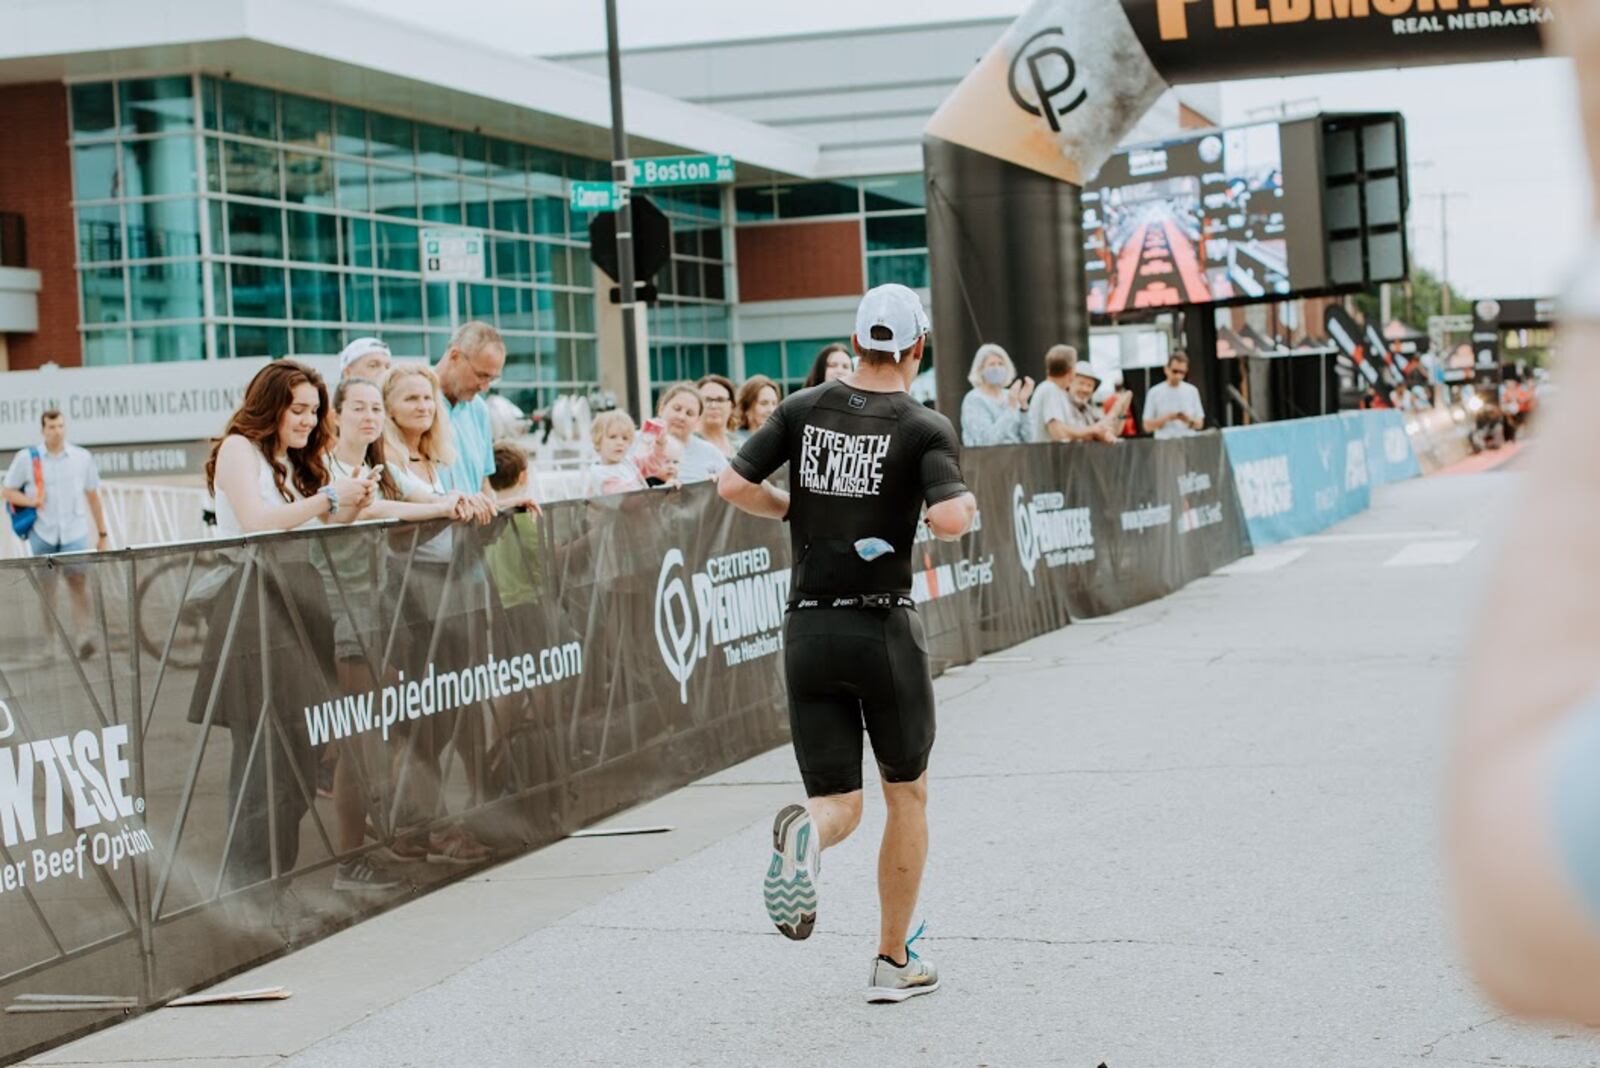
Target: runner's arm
x=950, y=519
x=743, y=482
x=758, y=498
x=951, y=507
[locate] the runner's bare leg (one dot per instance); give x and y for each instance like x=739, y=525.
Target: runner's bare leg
x=901, y=859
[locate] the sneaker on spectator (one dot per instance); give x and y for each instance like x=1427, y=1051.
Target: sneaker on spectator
x=360, y=877
x=457, y=846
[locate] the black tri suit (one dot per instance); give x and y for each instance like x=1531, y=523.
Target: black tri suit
x=861, y=467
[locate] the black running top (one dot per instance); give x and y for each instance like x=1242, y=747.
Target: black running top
x=861, y=466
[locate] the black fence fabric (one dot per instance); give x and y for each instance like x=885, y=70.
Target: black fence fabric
x=197, y=741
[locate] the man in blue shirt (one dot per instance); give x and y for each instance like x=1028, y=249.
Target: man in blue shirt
x=471, y=365
x=66, y=491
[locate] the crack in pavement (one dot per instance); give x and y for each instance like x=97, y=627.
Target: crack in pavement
x=1427, y=1050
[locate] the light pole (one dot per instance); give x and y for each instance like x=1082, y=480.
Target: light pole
x=619, y=175
x=1444, y=197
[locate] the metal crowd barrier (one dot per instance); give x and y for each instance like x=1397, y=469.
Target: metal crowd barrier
x=196, y=739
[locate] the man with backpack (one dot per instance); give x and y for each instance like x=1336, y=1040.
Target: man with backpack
x=53, y=491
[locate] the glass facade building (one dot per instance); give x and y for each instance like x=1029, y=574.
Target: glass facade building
x=219, y=219
x=892, y=215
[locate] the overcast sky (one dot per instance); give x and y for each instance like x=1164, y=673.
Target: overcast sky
x=1504, y=134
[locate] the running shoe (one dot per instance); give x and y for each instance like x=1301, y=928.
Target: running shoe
x=359, y=877
x=896, y=982
x=790, y=889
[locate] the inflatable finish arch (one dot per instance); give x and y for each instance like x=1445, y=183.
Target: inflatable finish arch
x=1046, y=107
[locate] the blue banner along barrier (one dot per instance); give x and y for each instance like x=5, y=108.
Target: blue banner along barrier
x=1389, y=455
x=1299, y=476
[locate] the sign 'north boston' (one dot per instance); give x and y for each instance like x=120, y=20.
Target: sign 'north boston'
x=1207, y=40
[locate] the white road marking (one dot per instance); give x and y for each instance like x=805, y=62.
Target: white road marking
x=1005, y=659
x=1391, y=535
x=1265, y=560
x=1432, y=553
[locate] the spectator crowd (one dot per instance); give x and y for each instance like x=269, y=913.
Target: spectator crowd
x=1073, y=403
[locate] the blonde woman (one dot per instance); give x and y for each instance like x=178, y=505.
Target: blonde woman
x=680, y=412
x=420, y=447
x=992, y=413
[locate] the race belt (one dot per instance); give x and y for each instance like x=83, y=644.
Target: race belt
x=860, y=600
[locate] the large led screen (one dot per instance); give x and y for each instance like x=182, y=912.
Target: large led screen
x=1195, y=221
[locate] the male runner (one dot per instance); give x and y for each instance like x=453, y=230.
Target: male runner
x=864, y=458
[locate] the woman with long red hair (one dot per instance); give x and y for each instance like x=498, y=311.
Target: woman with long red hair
x=269, y=470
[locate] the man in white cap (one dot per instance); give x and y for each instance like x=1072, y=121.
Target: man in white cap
x=365, y=357
x=864, y=460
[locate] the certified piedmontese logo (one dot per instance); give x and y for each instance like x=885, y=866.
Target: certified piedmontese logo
x=1046, y=529
x=1052, y=77
x=75, y=785
x=735, y=603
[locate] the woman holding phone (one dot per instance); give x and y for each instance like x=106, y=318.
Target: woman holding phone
x=354, y=592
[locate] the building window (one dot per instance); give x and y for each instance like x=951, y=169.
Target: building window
x=217, y=218
x=891, y=209
x=689, y=328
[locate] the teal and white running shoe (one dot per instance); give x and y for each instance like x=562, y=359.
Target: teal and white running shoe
x=892, y=982
x=790, y=889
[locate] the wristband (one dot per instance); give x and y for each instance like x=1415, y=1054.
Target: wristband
x=333, y=498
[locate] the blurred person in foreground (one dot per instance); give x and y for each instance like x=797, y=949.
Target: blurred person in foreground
x=61, y=483
x=994, y=410
x=758, y=398
x=833, y=361
x=865, y=460
x=1524, y=797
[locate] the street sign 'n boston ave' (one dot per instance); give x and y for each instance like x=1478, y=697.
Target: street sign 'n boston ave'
x=680, y=170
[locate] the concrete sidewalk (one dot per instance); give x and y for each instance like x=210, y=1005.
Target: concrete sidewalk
x=1203, y=832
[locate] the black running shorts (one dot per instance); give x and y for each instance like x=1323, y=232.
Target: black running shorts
x=850, y=668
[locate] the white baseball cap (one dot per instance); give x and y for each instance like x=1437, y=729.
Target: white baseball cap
x=1085, y=369
x=896, y=307
x=358, y=348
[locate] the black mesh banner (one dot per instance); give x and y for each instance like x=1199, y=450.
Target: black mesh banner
x=215, y=752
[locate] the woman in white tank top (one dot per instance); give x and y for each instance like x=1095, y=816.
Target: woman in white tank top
x=269, y=472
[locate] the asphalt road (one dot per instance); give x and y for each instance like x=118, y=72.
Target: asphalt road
x=1203, y=832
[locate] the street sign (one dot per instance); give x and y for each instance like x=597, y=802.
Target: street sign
x=680, y=170
x=652, y=241
x=596, y=196
x=453, y=255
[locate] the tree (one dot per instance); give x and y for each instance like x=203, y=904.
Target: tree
x=1412, y=301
